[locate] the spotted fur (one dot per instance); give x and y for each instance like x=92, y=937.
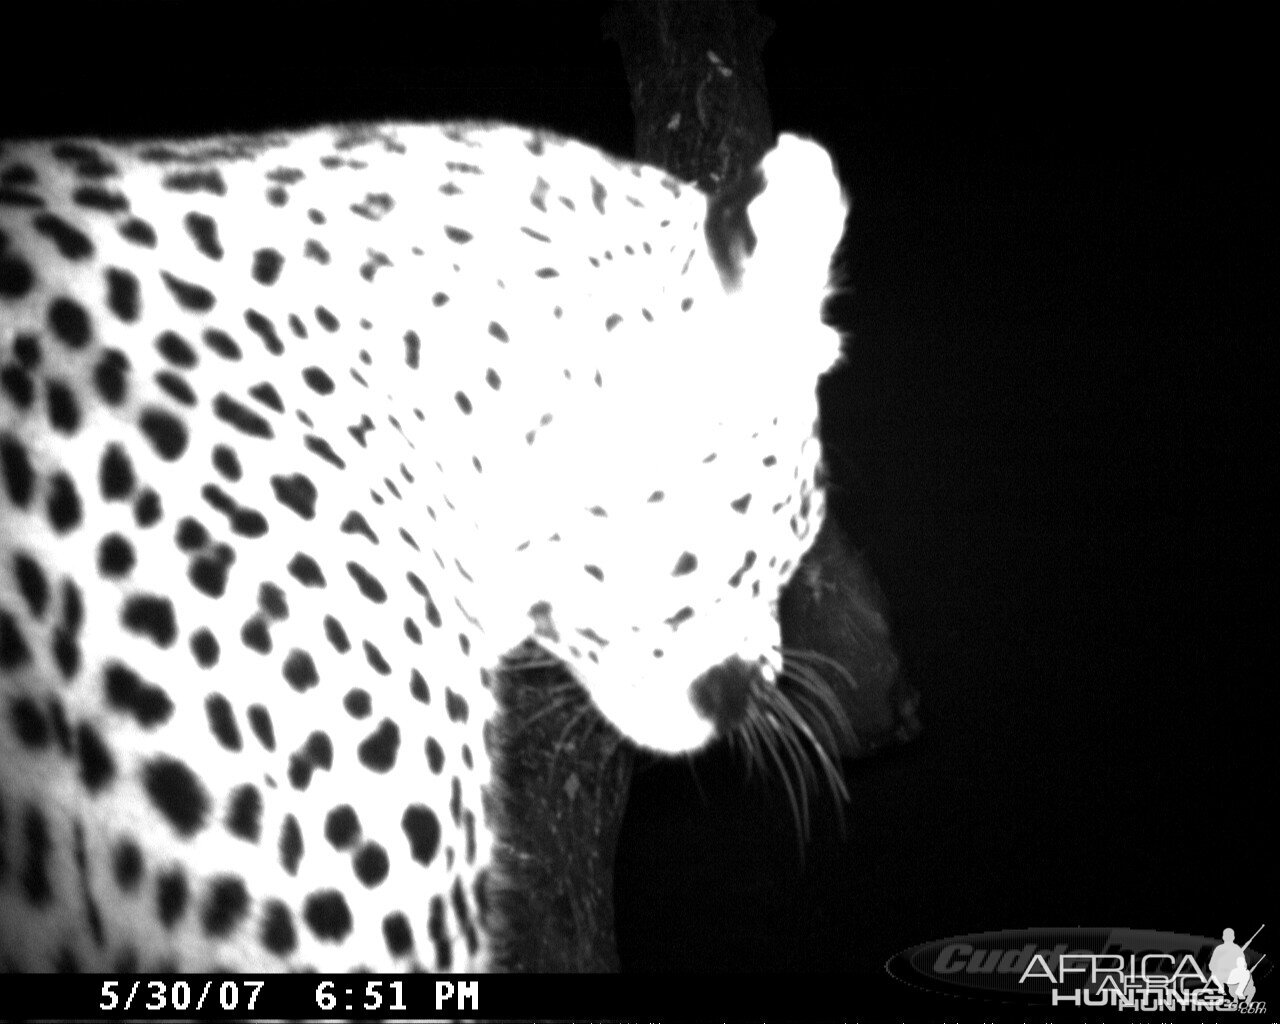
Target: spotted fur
x=298, y=434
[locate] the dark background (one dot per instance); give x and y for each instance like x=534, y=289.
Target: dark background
x=1049, y=425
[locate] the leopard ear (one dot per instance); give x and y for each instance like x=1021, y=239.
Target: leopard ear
x=798, y=218
x=777, y=233
x=730, y=237
x=781, y=220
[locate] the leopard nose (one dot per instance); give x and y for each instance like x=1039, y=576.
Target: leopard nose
x=722, y=694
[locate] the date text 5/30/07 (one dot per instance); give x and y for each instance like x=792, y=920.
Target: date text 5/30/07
x=153, y=996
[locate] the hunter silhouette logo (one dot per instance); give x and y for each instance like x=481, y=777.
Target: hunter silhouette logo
x=1228, y=967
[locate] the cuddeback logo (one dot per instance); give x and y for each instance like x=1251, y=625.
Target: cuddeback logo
x=1120, y=968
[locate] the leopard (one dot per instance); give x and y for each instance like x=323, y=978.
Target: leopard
x=301, y=434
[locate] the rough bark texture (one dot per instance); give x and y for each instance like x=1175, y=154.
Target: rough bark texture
x=697, y=86
x=559, y=796
x=833, y=607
